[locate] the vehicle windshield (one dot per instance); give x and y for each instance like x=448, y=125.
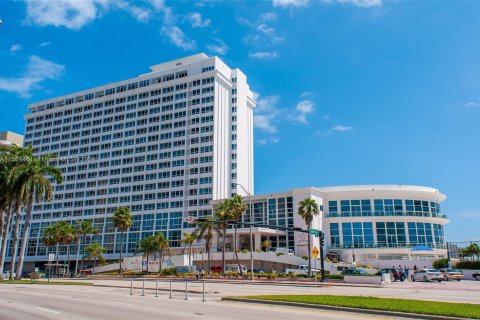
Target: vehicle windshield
x=431, y=270
x=452, y=270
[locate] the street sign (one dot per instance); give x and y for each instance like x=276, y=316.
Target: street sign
x=51, y=257
x=315, y=252
x=315, y=232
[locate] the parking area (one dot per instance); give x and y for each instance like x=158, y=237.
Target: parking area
x=463, y=285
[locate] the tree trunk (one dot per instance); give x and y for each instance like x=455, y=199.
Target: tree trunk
x=121, y=249
x=94, y=264
x=309, y=252
x=224, y=247
x=236, y=250
x=15, y=241
x=208, y=254
x=83, y=251
x=78, y=253
x=190, y=260
x=68, y=258
x=148, y=258
x=58, y=252
x=160, y=261
x=3, y=214
x=6, y=233
x=26, y=231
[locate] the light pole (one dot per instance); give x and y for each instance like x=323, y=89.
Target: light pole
x=251, y=231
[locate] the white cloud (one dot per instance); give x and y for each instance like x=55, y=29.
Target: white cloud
x=270, y=32
x=359, y=3
x=71, y=14
x=218, y=47
x=268, y=16
x=306, y=94
x=264, y=33
x=264, y=122
x=289, y=3
x=302, y=110
x=44, y=44
x=266, y=113
x=340, y=128
x=178, y=37
x=15, y=48
x=196, y=21
x=472, y=104
x=263, y=55
x=141, y=14
x=37, y=71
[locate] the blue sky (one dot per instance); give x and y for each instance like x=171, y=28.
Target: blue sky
x=348, y=91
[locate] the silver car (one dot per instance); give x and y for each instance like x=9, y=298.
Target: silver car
x=427, y=275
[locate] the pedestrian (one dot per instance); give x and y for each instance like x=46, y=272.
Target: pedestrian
x=414, y=268
x=196, y=273
x=405, y=271
x=203, y=273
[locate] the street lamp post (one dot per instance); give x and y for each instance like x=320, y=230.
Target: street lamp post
x=251, y=231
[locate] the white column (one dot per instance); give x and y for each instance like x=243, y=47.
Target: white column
x=258, y=242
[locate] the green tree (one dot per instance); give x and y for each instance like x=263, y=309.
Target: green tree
x=32, y=180
x=122, y=220
x=95, y=252
x=222, y=213
x=67, y=234
x=206, y=230
x=307, y=209
x=84, y=229
x=236, y=208
x=148, y=247
x=162, y=247
x=188, y=241
x=267, y=244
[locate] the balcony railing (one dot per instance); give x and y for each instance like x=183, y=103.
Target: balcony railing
x=386, y=246
x=387, y=214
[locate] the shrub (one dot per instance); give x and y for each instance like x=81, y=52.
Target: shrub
x=334, y=276
x=305, y=257
x=280, y=254
x=440, y=263
x=468, y=265
x=170, y=272
x=244, y=251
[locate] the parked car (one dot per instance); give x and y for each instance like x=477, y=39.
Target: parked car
x=427, y=275
x=300, y=270
x=216, y=269
x=397, y=274
x=257, y=270
x=285, y=251
x=452, y=274
x=235, y=268
x=354, y=272
x=476, y=276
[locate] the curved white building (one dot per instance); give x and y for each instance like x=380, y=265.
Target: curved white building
x=369, y=224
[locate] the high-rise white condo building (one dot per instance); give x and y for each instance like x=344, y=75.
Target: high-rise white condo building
x=165, y=144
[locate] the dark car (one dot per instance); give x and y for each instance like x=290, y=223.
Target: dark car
x=476, y=276
x=352, y=271
x=396, y=273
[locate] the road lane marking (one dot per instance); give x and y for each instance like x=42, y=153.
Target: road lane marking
x=48, y=310
x=123, y=303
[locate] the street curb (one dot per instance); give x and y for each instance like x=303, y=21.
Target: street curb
x=344, y=309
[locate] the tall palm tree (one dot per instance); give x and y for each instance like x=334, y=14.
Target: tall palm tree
x=84, y=229
x=236, y=208
x=188, y=240
x=222, y=213
x=307, y=209
x=148, y=247
x=206, y=230
x=162, y=246
x=33, y=183
x=95, y=252
x=122, y=220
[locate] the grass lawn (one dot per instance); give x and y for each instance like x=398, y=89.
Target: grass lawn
x=462, y=310
x=45, y=282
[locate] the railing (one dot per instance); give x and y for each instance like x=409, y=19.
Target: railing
x=387, y=214
x=386, y=246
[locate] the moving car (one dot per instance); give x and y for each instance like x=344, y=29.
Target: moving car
x=397, y=274
x=452, y=274
x=427, y=275
x=476, y=276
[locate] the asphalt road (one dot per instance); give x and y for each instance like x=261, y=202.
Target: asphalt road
x=89, y=302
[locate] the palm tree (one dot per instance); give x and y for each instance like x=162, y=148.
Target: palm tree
x=147, y=246
x=66, y=234
x=267, y=244
x=122, y=220
x=84, y=229
x=31, y=179
x=162, y=246
x=236, y=208
x=307, y=209
x=95, y=252
x=206, y=230
x=222, y=213
x=188, y=240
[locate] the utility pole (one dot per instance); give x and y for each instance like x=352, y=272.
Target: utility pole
x=251, y=230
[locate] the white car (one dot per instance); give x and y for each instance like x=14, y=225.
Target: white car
x=285, y=251
x=427, y=275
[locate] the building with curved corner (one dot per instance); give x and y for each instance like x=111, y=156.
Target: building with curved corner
x=381, y=225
